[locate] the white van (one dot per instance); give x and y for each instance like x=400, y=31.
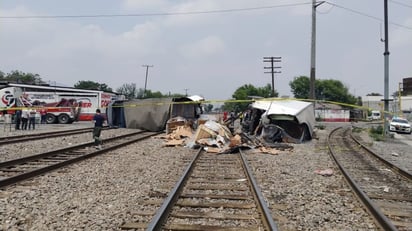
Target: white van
x=375, y=115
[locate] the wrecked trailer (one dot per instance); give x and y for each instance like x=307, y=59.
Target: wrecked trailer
x=184, y=110
x=290, y=121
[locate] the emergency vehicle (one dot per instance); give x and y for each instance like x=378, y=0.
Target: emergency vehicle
x=63, y=104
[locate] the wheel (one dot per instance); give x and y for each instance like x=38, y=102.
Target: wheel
x=63, y=119
x=50, y=119
x=306, y=133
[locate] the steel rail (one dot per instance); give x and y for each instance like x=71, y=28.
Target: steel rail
x=39, y=171
x=384, y=221
x=9, y=163
x=164, y=210
x=43, y=135
x=401, y=171
x=268, y=219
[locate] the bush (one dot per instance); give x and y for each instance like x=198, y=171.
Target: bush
x=376, y=133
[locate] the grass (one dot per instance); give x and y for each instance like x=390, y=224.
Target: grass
x=377, y=133
x=320, y=126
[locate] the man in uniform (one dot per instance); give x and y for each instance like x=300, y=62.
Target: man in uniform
x=98, y=121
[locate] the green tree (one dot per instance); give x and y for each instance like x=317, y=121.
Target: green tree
x=91, y=85
x=129, y=90
x=21, y=77
x=300, y=87
x=208, y=107
x=156, y=94
x=328, y=89
x=247, y=92
x=373, y=94
x=104, y=87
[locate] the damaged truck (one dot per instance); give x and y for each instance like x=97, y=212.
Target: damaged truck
x=289, y=121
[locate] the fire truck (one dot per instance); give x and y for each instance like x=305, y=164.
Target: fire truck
x=63, y=104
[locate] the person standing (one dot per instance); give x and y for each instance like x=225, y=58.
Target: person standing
x=232, y=118
x=224, y=116
x=43, y=113
x=98, y=121
x=24, y=118
x=32, y=118
x=18, y=119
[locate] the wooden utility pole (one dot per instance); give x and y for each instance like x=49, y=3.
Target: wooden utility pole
x=272, y=68
x=145, y=82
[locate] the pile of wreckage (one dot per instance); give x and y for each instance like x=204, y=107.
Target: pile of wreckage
x=215, y=137
x=268, y=126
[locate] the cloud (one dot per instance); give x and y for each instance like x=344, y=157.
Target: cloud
x=205, y=47
x=401, y=36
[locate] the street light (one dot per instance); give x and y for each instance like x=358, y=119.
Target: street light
x=145, y=82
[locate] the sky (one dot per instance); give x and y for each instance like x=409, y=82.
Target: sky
x=205, y=47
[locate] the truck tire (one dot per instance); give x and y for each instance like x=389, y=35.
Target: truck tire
x=63, y=119
x=50, y=118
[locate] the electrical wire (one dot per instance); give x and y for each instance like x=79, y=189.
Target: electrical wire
x=325, y=12
x=367, y=15
x=401, y=3
x=154, y=14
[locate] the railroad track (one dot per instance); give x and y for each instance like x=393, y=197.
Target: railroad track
x=385, y=189
x=216, y=192
x=14, y=171
x=44, y=135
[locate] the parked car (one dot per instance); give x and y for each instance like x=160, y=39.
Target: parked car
x=400, y=125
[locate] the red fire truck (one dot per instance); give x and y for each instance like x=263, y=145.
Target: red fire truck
x=63, y=104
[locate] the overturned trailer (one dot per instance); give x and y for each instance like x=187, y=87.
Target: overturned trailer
x=154, y=114
x=290, y=121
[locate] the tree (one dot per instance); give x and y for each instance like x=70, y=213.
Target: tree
x=129, y=90
x=374, y=94
x=300, y=87
x=208, y=107
x=104, y=87
x=247, y=92
x=156, y=94
x=91, y=85
x=328, y=89
x=21, y=77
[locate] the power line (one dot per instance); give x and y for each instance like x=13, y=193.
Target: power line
x=154, y=14
x=367, y=15
x=401, y=3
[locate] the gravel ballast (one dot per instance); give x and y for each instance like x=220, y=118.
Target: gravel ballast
x=101, y=193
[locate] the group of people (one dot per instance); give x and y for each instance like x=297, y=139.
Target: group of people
x=232, y=116
x=26, y=118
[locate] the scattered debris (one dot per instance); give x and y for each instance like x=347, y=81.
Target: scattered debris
x=325, y=172
x=216, y=138
x=394, y=154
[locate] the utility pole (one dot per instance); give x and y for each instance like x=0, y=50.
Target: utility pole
x=145, y=82
x=400, y=99
x=272, y=68
x=186, y=90
x=386, y=71
x=313, y=51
